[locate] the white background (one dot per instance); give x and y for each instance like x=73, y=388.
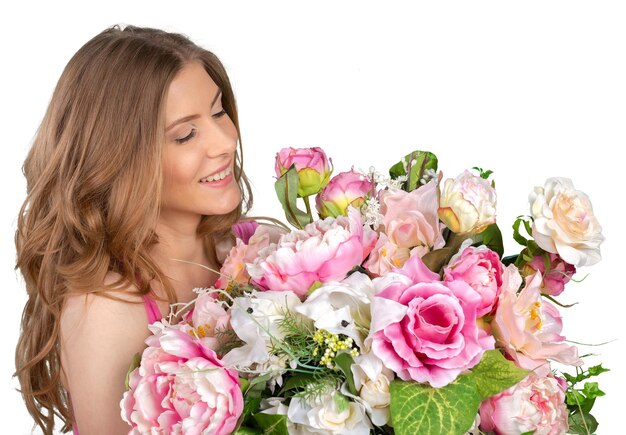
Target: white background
x=530, y=90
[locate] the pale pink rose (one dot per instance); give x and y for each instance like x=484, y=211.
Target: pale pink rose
x=181, y=387
x=314, y=168
x=535, y=404
x=344, y=189
x=325, y=250
x=234, y=267
x=558, y=274
x=481, y=268
x=528, y=327
x=467, y=204
x=424, y=329
x=410, y=218
x=564, y=222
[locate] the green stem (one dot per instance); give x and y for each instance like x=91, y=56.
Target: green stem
x=308, y=208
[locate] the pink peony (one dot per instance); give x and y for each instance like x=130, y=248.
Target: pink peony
x=181, y=387
x=325, y=250
x=425, y=329
x=243, y=252
x=554, y=279
x=481, y=268
x=527, y=327
x=244, y=230
x=344, y=189
x=535, y=404
x=314, y=168
x=410, y=218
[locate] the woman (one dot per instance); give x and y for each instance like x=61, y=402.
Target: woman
x=134, y=167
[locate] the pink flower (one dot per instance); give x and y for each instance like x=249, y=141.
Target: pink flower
x=425, y=329
x=527, y=327
x=325, y=250
x=234, y=267
x=207, y=318
x=386, y=256
x=244, y=230
x=181, y=387
x=554, y=279
x=410, y=218
x=344, y=189
x=481, y=268
x=314, y=168
x=535, y=404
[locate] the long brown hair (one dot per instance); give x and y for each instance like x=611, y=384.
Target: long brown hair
x=93, y=186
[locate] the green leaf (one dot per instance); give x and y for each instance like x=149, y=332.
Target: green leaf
x=247, y=431
x=516, y=234
x=287, y=190
x=582, y=423
x=494, y=373
x=509, y=259
x=297, y=381
x=438, y=258
x=251, y=405
x=596, y=370
x=591, y=390
x=257, y=385
x=492, y=238
x=421, y=409
x=418, y=162
x=272, y=424
x=136, y=362
x=344, y=361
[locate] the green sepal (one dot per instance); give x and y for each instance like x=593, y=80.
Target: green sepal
x=136, y=362
x=287, y=191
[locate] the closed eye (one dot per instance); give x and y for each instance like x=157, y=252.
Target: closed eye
x=193, y=130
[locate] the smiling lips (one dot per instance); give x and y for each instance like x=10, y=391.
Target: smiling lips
x=217, y=176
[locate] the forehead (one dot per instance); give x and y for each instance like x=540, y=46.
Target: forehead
x=190, y=89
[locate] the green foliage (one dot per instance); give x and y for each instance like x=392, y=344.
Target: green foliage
x=492, y=238
x=482, y=173
x=344, y=361
x=580, y=401
x=136, y=362
x=413, y=166
x=271, y=424
x=287, y=191
x=298, y=339
x=420, y=408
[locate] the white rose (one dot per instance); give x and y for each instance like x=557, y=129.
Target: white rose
x=342, y=307
x=327, y=417
x=564, y=222
x=467, y=204
x=372, y=381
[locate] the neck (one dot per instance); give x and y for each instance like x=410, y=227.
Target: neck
x=178, y=240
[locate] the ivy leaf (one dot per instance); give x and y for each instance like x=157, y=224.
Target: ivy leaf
x=421, y=409
x=582, y=423
x=287, y=190
x=494, y=373
x=271, y=424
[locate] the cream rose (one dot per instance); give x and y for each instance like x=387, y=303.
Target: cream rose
x=564, y=222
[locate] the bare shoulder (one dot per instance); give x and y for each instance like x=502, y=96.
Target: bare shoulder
x=99, y=337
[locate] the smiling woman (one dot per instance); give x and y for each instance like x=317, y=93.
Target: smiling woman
x=136, y=164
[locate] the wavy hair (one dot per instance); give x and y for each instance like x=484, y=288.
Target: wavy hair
x=94, y=181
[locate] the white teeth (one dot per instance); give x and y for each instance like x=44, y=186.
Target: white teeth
x=218, y=176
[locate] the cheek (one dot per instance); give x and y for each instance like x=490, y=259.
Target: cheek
x=179, y=169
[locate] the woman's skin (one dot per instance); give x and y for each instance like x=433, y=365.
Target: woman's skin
x=99, y=336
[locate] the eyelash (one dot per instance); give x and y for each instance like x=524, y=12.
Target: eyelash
x=193, y=131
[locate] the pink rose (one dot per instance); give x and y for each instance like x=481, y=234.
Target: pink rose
x=344, y=189
x=527, y=327
x=535, y=404
x=410, y=218
x=554, y=279
x=181, y=387
x=314, y=168
x=425, y=329
x=481, y=268
x=325, y=250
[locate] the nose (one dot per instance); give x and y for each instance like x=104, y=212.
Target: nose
x=222, y=138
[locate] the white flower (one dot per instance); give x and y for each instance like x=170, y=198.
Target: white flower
x=372, y=381
x=564, y=222
x=255, y=319
x=342, y=307
x=332, y=414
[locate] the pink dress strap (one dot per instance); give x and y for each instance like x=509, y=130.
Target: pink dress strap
x=152, y=309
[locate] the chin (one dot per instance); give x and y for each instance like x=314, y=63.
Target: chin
x=226, y=203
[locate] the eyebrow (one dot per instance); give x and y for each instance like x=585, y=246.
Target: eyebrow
x=190, y=117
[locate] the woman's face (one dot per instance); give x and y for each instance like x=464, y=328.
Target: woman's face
x=199, y=150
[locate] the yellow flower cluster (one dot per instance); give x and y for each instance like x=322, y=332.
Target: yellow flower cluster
x=331, y=344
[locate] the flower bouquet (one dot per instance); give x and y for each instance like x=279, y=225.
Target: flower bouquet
x=395, y=311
